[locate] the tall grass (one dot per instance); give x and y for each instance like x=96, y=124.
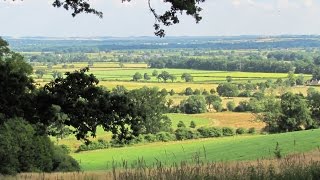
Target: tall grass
x=292, y=167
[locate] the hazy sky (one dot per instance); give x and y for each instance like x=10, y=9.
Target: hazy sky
x=220, y=17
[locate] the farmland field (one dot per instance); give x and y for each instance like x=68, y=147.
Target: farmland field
x=217, y=149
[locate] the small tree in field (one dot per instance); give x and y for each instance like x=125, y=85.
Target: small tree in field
x=193, y=105
x=229, y=79
x=181, y=124
x=40, y=73
x=192, y=124
x=155, y=73
x=137, y=76
x=231, y=105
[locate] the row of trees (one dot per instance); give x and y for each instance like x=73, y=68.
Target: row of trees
x=163, y=76
x=222, y=64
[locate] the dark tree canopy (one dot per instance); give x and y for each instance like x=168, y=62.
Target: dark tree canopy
x=168, y=18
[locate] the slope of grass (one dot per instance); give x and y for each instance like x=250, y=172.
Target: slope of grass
x=216, y=149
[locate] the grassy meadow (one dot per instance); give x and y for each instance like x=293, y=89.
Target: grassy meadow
x=237, y=148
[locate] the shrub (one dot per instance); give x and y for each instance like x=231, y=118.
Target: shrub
x=231, y=106
x=226, y=131
x=252, y=130
x=244, y=94
x=165, y=136
x=192, y=124
x=64, y=162
x=139, y=139
x=193, y=105
x=210, y=132
x=181, y=124
x=197, y=92
x=243, y=107
x=22, y=149
x=217, y=106
x=171, y=92
x=93, y=145
x=188, y=91
x=241, y=131
x=150, y=138
x=184, y=133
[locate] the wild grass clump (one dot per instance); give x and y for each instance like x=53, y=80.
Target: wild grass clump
x=294, y=167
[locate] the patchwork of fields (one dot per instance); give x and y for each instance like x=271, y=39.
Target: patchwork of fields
x=245, y=147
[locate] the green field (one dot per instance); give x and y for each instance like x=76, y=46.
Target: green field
x=216, y=149
x=113, y=72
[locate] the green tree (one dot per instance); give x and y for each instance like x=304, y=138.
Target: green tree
x=188, y=91
x=171, y=92
x=56, y=74
x=40, y=73
x=155, y=73
x=291, y=79
x=137, y=76
x=196, y=92
x=165, y=76
x=192, y=124
x=193, y=105
x=231, y=105
x=296, y=114
x=227, y=90
x=314, y=104
x=210, y=99
x=300, y=80
x=181, y=124
x=172, y=78
x=217, y=106
x=187, y=77
x=146, y=76
x=229, y=79
x=22, y=149
x=291, y=113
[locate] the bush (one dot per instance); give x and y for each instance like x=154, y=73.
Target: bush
x=197, y=92
x=181, y=124
x=62, y=162
x=22, y=149
x=138, y=139
x=231, y=106
x=243, y=106
x=94, y=145
x=252, y=130
x=184, y=133
x=210, y=132
x=165, y=136
x=241, y=131
x=226, y=131
x=193, y=105
x=244, y=94
x=192, y=124
x=150, y=138
x=188, y=91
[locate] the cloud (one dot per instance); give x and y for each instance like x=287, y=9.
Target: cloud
x=308, y=3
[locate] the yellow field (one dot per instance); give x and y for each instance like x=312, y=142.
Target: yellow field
x=177, y=87
x=232, y=119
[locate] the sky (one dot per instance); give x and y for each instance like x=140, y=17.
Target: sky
x=220, y=18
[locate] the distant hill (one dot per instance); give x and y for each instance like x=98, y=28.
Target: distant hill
x=94, y=44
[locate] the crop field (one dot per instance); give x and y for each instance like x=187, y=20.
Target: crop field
x=234, y=148
x=113, y=72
